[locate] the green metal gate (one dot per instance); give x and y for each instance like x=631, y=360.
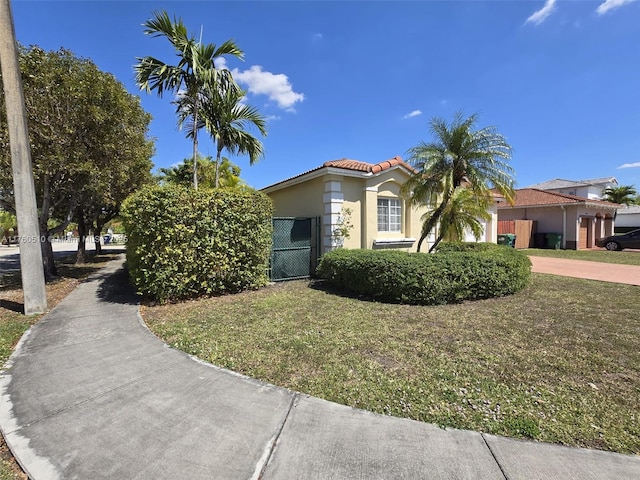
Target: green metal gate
x=295, y=247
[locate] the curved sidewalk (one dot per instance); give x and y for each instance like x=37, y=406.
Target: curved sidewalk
x=90, y=393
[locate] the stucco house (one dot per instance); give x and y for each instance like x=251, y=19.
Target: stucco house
x=580, y=220
x=380, y=217
x=592, y=188
x=628, y=218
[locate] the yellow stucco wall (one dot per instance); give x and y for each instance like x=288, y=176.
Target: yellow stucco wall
x=301, y=200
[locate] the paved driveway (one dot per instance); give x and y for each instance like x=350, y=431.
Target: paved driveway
x=605, y=272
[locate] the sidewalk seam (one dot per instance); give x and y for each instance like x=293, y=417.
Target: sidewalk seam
x=90, y=399
x=261, y=469
x=504, y=474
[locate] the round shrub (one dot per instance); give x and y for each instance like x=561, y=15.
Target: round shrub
x=183, y=243
x=427, y=279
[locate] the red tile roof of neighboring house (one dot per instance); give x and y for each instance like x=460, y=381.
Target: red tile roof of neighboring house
x=529, y=197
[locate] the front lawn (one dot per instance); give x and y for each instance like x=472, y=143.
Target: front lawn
x=558, y=362
x=624, y=257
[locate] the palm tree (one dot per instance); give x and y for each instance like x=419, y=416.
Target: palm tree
x=226, y=119
x=462, y=214
x=194, y=73
x=460, y=156
x=625, y=194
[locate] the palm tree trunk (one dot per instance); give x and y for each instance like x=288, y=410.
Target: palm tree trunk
x=195, y=148
x=218, y=167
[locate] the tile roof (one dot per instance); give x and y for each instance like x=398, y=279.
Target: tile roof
x=353, y=165
x=561, y=183
x=359, y=166
x=529, y=197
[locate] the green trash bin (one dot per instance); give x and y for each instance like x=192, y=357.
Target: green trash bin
x=553, y=240
x=507, y=239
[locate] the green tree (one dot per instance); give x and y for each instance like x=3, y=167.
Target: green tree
x=88, y=141
x=227, y=120
x=462, y=214
x=194, y=73
x=459, y=157
x=624, y=194
x=8, y=225
x=182, y=174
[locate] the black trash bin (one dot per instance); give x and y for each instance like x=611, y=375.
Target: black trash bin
x=553, y=240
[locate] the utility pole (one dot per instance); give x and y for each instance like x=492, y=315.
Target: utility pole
x=31, y=267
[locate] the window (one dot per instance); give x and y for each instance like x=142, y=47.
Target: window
x=389, y=215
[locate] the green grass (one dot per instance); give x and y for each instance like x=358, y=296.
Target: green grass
x=558, y=362
x=623, y=258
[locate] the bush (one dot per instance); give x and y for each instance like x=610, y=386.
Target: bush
x=183, y=243
x=427, y=279
x=444, y=247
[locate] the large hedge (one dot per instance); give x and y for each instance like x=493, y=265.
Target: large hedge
x=183, y=243
x=427, y=279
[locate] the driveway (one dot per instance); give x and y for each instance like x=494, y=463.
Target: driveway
x=604, y=272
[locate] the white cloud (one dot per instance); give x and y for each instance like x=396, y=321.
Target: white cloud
x=317, y=37
x=259, y=82
x=607, y=5
x=272, y=117
x=542, y=14
x=630, y=165
x=275, y=85
x=415, y=113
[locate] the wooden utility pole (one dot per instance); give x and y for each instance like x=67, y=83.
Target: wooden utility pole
x=35, y=295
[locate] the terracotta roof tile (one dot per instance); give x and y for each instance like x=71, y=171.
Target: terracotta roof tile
x=359, y=166
x=528, y=197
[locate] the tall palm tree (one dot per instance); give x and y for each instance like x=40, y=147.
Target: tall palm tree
x=459, y=156
x=624, y=194
x=194, y=72
x=227, y=119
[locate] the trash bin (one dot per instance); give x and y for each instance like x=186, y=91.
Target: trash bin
x=539, y=240
x=553, y=240
x=507, y=239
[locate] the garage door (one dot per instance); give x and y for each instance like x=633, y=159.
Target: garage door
x=584, y=233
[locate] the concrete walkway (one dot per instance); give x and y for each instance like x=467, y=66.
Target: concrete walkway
x=90, y=393
x=604, y=272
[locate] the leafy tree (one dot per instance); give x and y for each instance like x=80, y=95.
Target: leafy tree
x=8, y=221
x=227, y=119
x=459, y=157
x=194, y=73
x=88, y=142
x=182, y=174
x=624, y=194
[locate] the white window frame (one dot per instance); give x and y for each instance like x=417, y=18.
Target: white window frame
x=391, y=219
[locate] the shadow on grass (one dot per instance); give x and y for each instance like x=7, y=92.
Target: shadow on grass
x=12, y=306
x=324, y=286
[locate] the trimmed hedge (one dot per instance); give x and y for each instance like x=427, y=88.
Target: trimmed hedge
x=445, y=247
x=183, y=243
x=427, y=279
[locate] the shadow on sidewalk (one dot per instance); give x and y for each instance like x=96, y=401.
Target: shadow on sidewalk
x=116, y=288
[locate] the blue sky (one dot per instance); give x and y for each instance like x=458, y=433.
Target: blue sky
x=560, y=79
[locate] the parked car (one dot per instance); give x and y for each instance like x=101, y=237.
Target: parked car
x=618, y=242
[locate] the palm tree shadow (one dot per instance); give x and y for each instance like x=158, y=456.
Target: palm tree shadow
x=116, y=288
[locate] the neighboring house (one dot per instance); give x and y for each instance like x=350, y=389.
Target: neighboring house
x=580, y=220
x=592, y=189
x=379, y=215
x=628, y=218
